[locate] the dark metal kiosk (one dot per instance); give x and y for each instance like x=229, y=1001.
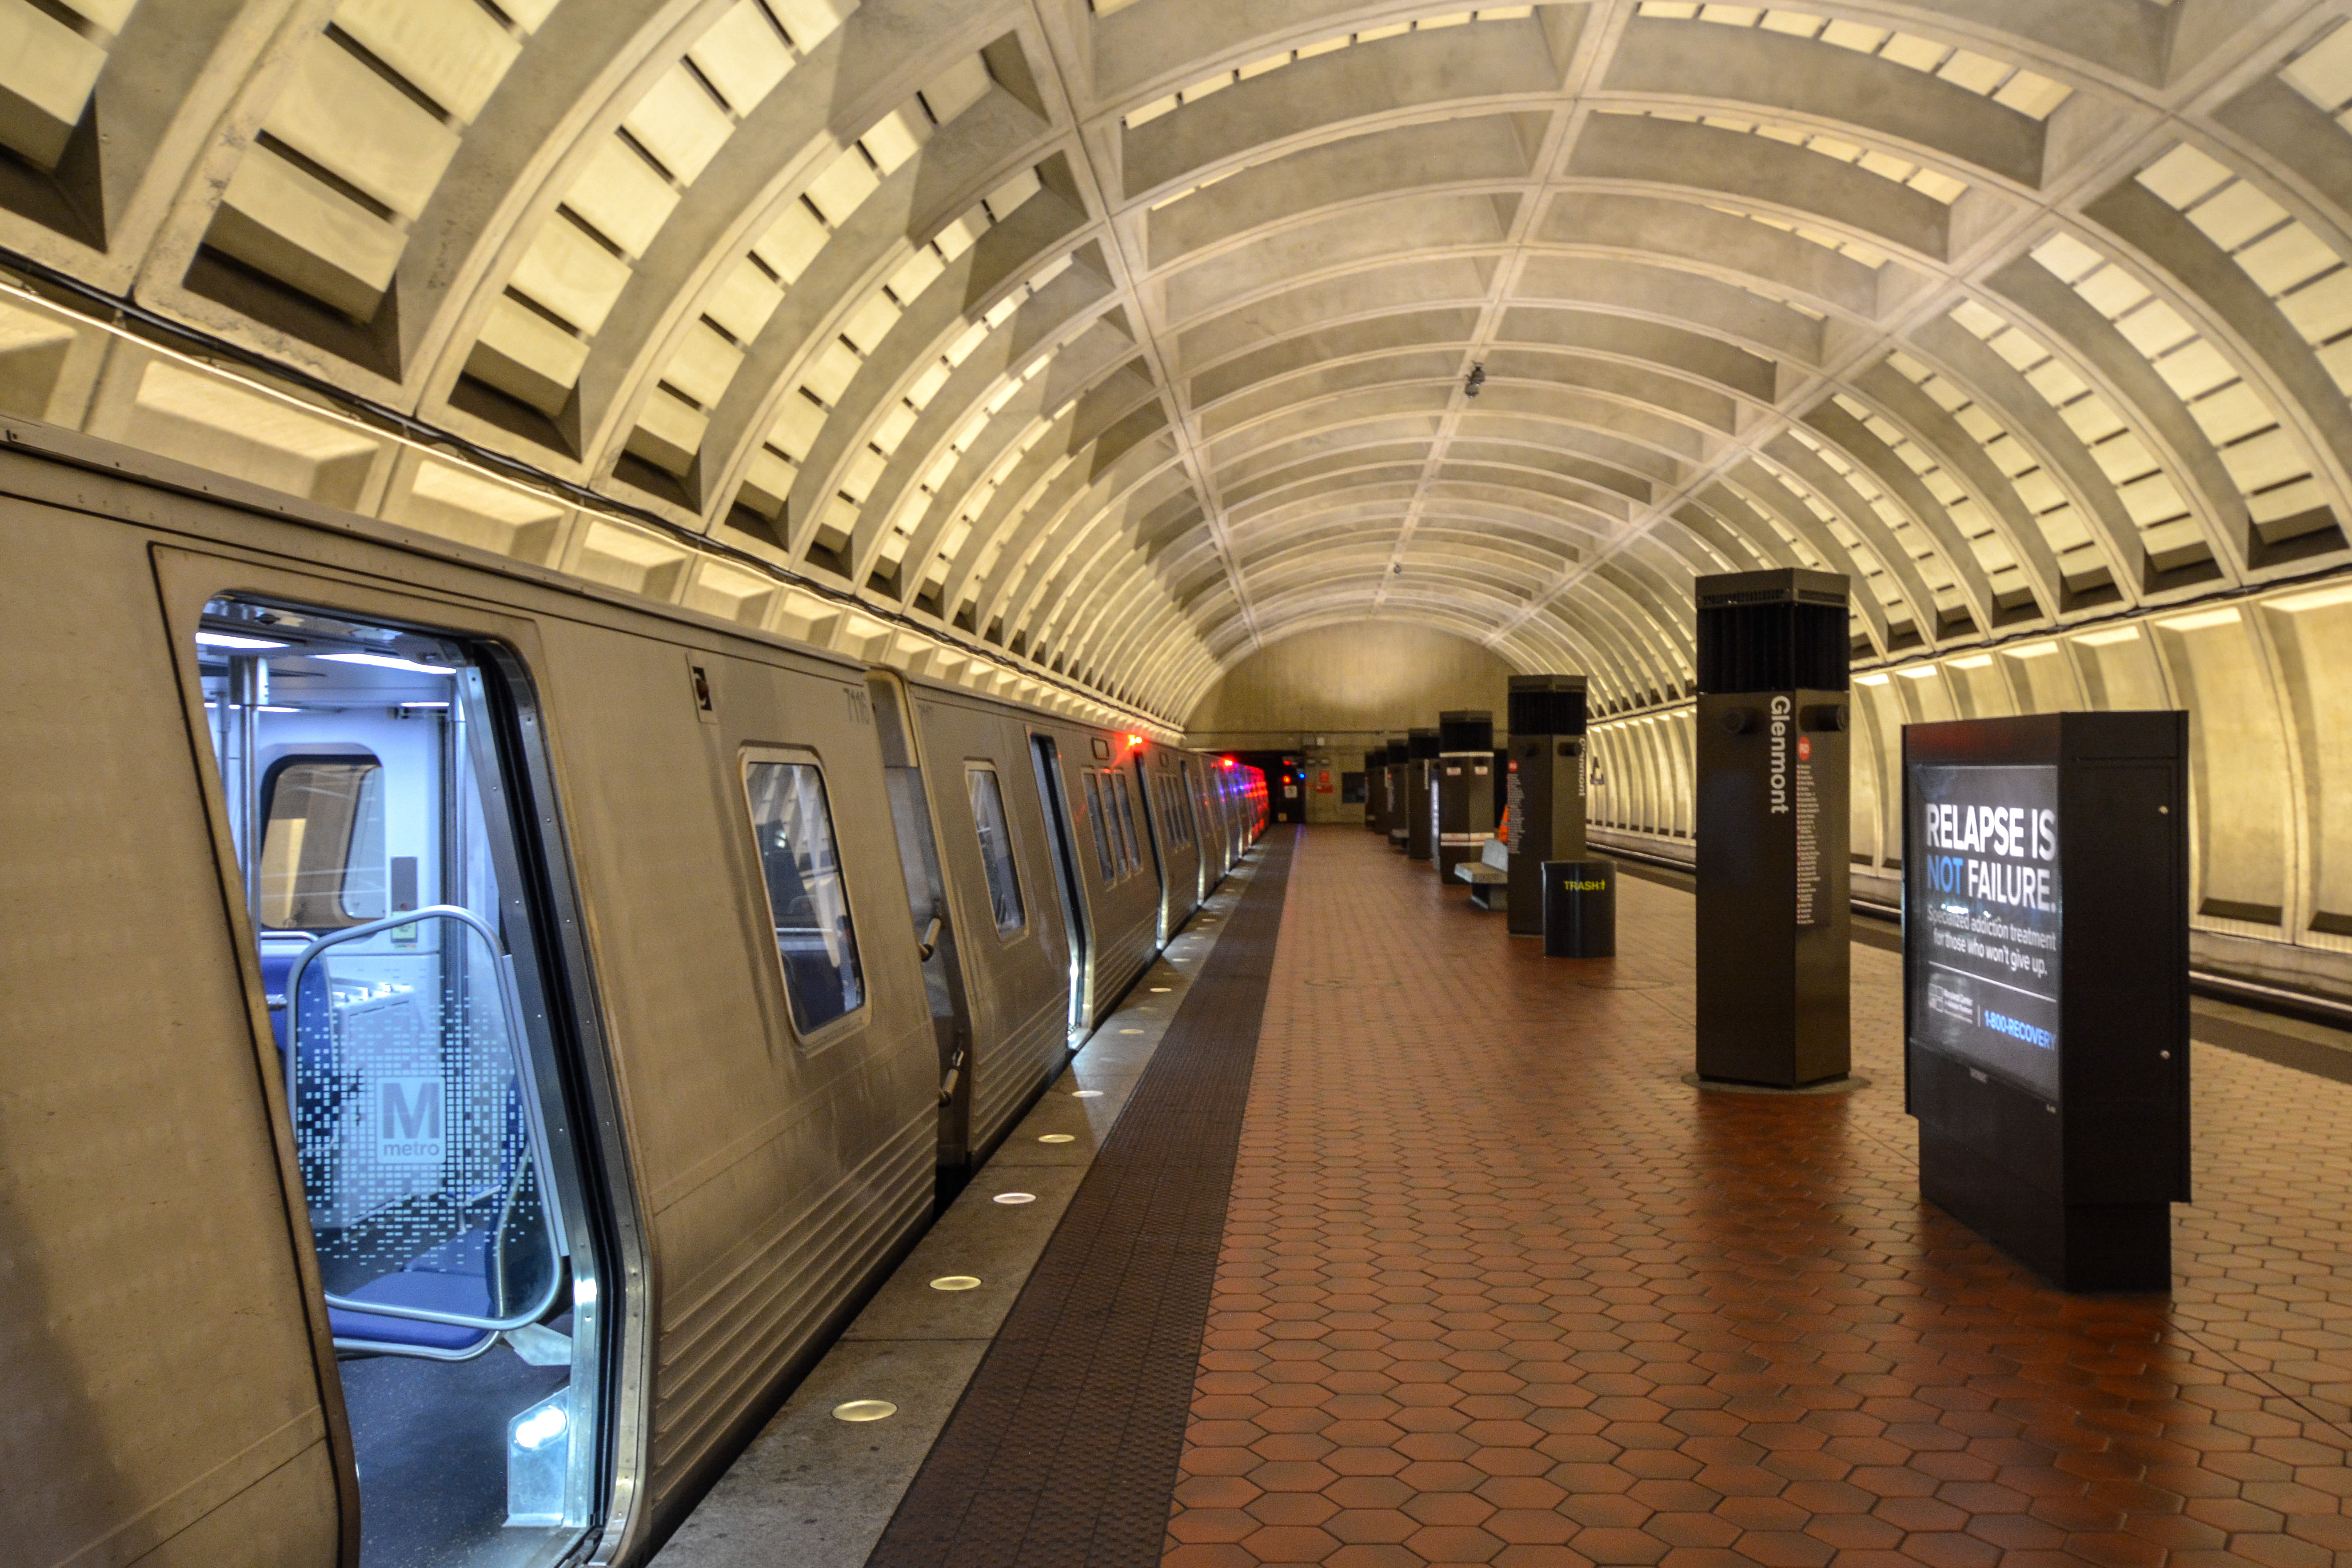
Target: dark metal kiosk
x=1419, y=807
x=1774, y=916
x=1463, y=783
x=2045, y=995
x=1546, y=804
x=1375, y=789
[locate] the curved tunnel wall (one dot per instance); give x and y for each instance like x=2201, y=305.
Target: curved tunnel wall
x=1077, y=349
x=2267, y=681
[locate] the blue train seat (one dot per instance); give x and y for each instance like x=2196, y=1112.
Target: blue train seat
x=275, y=967
x=413, y=1287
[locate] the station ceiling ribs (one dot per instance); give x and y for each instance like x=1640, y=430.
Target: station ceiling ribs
x=1116, y=339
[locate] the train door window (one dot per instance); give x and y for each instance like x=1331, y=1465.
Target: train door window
x=995, y=848
x=393, y=877
x=1137, y=833
x=807, y=903
x=1110, y=825
x=1101, y=827
x=1123, y=819
x=322, y=858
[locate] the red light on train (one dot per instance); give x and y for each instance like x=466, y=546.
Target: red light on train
x=1224, y=762
x=1133, y=742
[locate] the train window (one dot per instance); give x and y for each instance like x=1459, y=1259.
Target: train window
x=1122, y=831
x=376, y=820
x=806, y=901
x=1134, y=841
x=1171, y=806
x=322, y=865
x=995, y=848
x=1111, y=822
x=1102, y=828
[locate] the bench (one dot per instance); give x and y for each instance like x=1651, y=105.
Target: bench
x=1489, y=876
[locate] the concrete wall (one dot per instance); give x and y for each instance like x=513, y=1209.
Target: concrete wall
x=1332, y=692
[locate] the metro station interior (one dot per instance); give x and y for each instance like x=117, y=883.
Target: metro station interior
x=1075, y=784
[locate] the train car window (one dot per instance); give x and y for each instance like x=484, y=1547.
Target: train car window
x=1128, y=834
x=807, y=904
x=1171, y=801
x=995, y=848
x=1122, y=828
x=388, y=856
x=1102, y=828
x=322, y=865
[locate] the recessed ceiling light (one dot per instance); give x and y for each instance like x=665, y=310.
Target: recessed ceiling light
x=864, y=1410
x=1086, y=1094
x=1057, y=1138
x=228, y=639
x=1016, y=1197
x=956, y=1282
x=388, y=661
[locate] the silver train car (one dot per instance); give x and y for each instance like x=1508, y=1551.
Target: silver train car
x=474, y=1038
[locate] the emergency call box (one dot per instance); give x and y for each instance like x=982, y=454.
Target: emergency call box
x=2045, y=973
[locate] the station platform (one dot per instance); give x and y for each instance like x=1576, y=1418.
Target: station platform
x=1407, y=1245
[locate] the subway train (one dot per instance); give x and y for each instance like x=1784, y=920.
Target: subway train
x=474, y=1038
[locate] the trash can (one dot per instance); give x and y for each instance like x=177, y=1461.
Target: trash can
x=1579, y=908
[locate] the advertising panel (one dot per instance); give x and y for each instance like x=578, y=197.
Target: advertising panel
x=1984, y=891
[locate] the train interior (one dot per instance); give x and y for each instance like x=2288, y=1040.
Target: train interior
x=1068, y=882
x=372, y=805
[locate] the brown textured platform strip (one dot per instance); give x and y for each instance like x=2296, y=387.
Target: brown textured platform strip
x=1064, y=1449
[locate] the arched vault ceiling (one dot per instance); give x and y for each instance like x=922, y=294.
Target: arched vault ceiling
x=1128, y=338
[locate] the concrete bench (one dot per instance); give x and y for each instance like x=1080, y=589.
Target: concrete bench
x=1489, y=876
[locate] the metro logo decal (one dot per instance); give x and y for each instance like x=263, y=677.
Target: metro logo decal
x=410, y=1129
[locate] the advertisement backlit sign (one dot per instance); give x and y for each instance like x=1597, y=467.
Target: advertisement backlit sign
x=1985, y=892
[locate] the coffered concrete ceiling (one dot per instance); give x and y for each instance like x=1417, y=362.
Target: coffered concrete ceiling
x=1113, y=343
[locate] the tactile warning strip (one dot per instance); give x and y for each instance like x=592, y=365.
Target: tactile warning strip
x=1063, y=1448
